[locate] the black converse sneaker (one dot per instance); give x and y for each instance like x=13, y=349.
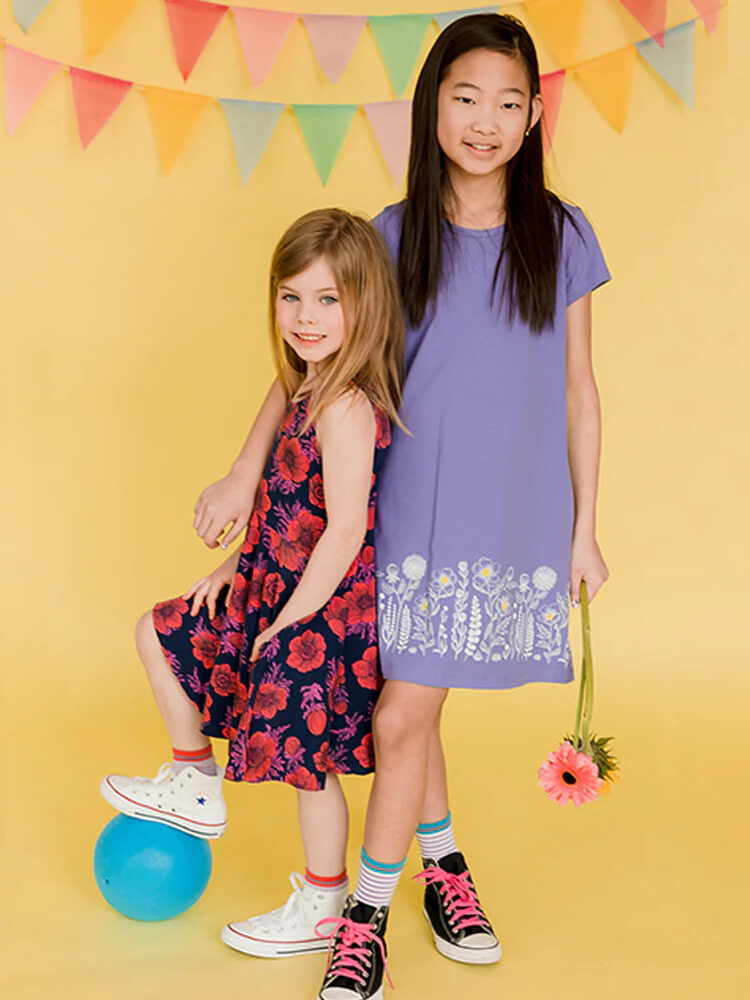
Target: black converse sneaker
x=459, y=926
x=357, y=953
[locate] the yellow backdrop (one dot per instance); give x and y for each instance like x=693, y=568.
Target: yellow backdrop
x=134, y=358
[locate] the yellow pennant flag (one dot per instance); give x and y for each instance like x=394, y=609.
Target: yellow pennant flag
x=607, y=82
x=558, y=22
x=173, y=117
x=102, y=21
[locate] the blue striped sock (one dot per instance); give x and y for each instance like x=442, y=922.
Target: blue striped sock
x=436, y=839
x=377, y=880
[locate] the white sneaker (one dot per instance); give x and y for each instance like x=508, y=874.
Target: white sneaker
x=290, y=930
x=189, y=801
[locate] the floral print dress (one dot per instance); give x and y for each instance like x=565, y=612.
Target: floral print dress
x=305, y=707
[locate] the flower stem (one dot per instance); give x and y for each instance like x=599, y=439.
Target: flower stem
x=588, y=666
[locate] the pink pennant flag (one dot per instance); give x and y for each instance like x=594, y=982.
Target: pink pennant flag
x=334, y=38
x=709, y=11
x=652, y=14
x=192, y=23
x=262, y=35
x=391, y=123
x=96, y=98
x=26, y=76
x=551, y=85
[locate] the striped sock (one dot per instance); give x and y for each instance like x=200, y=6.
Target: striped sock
x=326, y=883
x=202, y=760
x=377, y=880
x=436, y=839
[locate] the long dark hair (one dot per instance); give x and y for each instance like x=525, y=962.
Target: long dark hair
x=533, y=215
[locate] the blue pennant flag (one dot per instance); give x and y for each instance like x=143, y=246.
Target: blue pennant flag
x=27, y=11
x=251, y=124
x=675, y=63
x=447, y=17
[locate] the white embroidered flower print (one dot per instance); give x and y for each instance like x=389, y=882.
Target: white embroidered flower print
x=479, y=612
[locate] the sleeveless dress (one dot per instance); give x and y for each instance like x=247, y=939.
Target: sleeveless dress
x=475, y=511
x=305, y=707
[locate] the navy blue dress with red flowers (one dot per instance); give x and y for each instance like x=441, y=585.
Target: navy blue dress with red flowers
x=305, y=707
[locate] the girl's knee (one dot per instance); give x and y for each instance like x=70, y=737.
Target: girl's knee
x=395, y=726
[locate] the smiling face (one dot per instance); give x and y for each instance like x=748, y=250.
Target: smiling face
x=484, y=109
x=309, y=313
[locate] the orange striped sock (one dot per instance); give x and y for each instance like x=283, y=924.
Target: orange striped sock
x=326, y=883
x=202, y=760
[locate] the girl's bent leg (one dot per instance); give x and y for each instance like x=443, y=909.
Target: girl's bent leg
x=324, y=825
x=403, y=726
x=180, y=715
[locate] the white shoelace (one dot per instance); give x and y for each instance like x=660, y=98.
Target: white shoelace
x=275, y=919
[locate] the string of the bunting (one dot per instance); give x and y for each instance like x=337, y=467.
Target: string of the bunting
x=334, y=37
x=606, y=80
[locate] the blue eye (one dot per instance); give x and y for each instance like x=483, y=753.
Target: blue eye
x=289, y=297
x=328, y=300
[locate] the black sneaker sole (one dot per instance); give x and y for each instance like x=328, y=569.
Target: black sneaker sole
x=467, y=956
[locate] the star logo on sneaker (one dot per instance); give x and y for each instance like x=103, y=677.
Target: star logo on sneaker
x=200, y=800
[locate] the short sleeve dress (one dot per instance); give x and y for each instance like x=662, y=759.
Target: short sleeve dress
x=475, y=509
x=304, y=708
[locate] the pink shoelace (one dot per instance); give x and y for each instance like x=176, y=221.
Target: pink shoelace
x=352, y=948
x=461, y=898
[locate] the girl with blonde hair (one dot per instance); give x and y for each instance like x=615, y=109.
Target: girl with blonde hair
x=276, y=650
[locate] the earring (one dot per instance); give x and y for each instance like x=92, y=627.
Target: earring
x=527, y=132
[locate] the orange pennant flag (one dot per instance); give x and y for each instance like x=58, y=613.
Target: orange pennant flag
x=192, y=23
x=96, y=98
x=651, y=14
x=559, y=24
x=262, y=35
x=607, y=82
x=26, y=76
x=551, y=86
x=173, y=117
x=102, y=21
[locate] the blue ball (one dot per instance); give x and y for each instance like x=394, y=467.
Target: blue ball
x=149, y=871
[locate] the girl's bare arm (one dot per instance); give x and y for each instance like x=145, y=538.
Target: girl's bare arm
x=228, y=503
x=584, y=445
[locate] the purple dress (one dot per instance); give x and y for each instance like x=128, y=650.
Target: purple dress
x=475, y=510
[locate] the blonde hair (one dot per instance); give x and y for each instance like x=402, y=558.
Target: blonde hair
x=372, y=353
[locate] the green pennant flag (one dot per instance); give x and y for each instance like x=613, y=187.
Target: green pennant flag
x=399, y=38
x=324, y=127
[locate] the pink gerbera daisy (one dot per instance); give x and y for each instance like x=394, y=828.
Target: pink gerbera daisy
x=567, y=776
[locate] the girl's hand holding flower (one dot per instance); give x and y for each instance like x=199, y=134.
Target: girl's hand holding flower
x=586, y=563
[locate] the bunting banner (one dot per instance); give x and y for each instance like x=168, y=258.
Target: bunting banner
x=607, y=82
x=675, y=60
x=709, y=11
x=391, y=123
x=96, y=98
x=26, y=76
x=251, y=124
x=102, y=21
x=191, y=24
x=606, y=79
x=559, y=25
x=651, y=15
x=27, y=11
x=334, y=38
x=173, y=115
x=399, y=38
x=551, y=87
x=324, y=127
x=262, y=35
